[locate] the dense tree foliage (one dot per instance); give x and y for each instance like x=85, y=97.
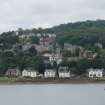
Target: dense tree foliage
x=85, y=34
x=34, y=40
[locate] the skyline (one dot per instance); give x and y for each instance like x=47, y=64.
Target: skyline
x=47, y=13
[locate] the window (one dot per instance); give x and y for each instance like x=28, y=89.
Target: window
x=91, y=75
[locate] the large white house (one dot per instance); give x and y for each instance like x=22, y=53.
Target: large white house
x=63, y=72
x=29, y=73
x=49, y=73
x=53, y=57
x=98, y=73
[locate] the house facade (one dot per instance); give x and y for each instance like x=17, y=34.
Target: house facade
x=29, y=73
x=95, y=73
x=41, y=48
x=49, y=73
x=13, y=72
x=53, y=57
x=47, y=39
x=64, y=72
x=88, y=54
x=70, y=47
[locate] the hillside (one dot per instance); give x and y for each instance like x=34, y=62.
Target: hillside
x=24, y=48
x=82, y=33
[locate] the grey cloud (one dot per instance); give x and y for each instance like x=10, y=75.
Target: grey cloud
x=45, y=13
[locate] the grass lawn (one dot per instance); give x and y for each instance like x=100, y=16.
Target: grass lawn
x=7, y=78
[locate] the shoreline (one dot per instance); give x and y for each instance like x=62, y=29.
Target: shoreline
x=54, y=81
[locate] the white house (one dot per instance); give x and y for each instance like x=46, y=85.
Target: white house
x=64, y=72
x=98, y=73
x=49, y=73
x=53, y=57
x=29, y=73
x=26, y=36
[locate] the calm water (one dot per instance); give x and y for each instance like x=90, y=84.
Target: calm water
x=90, y=94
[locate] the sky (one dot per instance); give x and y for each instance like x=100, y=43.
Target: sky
x=47, y=13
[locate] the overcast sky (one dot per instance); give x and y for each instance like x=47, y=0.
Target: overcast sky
x=47, y=13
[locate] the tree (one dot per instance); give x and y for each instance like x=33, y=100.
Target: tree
x=82, y=66
x=101, y=58
x=34, y=40
x=7, y=60
x=39, y=64
x=32, y=51
x=22, y=60
x=56, y=66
